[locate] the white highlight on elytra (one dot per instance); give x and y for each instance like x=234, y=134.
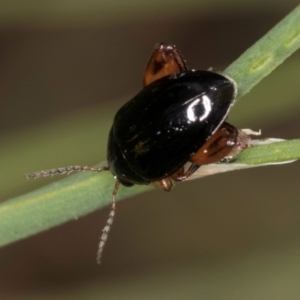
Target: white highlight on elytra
x=190, y=111
x=206, y=105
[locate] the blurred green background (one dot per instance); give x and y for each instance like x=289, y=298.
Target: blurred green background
x=65, y=68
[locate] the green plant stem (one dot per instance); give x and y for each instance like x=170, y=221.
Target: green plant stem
x=82, y=193
x=58, y=202
x=267, y=53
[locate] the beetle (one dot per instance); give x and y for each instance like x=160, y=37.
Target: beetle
x=178, y=118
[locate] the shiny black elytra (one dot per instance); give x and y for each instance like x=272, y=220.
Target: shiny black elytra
x=156, y=132
x=177, y=118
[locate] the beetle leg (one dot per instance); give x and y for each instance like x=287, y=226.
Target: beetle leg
x=166, y=184
x=219, y=145
x=165, y=60
x=193, y=168
x=243, y=141
x=224, y=145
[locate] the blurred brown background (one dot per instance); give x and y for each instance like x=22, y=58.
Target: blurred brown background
x=64, y=70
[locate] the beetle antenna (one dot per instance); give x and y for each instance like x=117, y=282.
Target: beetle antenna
x=65, y=170
x=108, y=225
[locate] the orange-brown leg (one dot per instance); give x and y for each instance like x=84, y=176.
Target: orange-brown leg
x=165, y=60
x=224, y=145
x=243, y=141
x=184, y=175
x=181, y=175
x=219, y=145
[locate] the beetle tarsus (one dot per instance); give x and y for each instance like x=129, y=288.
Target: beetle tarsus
x=228, y=159
x=190, y=171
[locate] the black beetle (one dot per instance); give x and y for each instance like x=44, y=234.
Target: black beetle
x=177, y=118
